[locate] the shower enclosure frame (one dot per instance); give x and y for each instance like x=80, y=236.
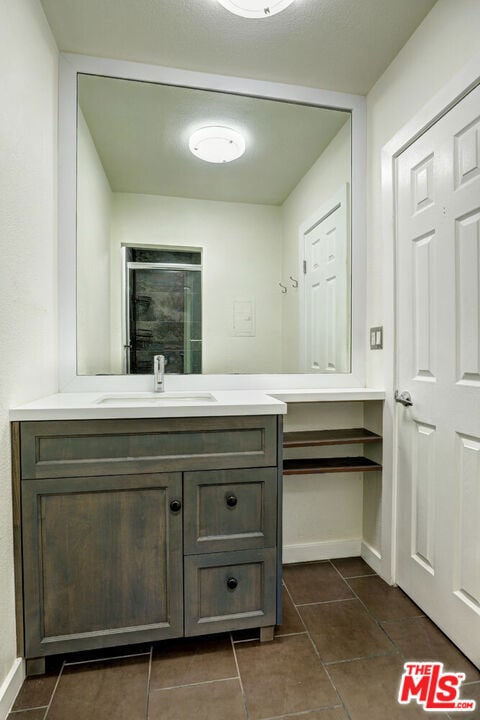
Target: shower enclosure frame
x=135, y=265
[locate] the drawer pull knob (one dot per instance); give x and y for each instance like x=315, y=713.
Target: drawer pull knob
x=232, y=583
x=175, y=506
x=231, y=500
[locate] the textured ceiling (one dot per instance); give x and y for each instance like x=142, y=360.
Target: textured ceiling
x=342, y=45
x=141, y=133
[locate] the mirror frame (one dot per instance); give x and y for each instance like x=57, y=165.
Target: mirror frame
x=70, y=66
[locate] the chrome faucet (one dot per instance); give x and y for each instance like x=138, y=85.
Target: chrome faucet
x=159, y=363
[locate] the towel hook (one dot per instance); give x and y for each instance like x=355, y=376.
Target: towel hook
x=294, y=282
x=284, y=288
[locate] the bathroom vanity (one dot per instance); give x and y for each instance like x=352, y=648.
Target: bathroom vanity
x=143, y=516
x=141, y=529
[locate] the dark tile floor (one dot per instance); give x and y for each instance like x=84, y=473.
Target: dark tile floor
x=338, y=655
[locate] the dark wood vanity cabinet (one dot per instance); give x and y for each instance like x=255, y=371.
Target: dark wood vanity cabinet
x=132, y=531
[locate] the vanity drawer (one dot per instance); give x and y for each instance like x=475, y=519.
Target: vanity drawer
x=229, y=591
x=230, y=510
x=110, y=447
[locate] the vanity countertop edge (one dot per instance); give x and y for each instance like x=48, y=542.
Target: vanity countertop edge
x=86, y=406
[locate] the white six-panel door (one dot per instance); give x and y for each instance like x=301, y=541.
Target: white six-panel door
x=438, y=345
x=325, y=239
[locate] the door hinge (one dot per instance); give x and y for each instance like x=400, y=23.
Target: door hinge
x=304, y=267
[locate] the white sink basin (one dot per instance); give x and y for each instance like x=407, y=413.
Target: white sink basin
x=153, y=398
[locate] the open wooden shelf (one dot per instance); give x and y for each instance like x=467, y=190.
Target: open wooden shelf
x=347, y=436
x=314, y=466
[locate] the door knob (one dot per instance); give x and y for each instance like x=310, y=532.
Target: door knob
x=231, y=500
x=175, y=506
x=404, y=398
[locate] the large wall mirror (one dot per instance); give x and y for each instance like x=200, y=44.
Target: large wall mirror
x=222, y=265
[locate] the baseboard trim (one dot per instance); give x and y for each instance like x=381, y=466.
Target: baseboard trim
x=325, y=550
x=372, y=557
x=10, y=687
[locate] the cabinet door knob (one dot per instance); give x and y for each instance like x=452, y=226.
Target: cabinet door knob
x=175, y=506
x=232, y=583
x=231, y=500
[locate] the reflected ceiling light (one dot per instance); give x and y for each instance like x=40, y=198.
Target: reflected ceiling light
x=217, y=144
x=255, y=8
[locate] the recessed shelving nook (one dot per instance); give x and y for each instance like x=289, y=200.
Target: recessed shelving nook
x=322, y=438
x=333, y=476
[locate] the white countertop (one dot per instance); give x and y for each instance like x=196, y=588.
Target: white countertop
x=89, y=406
x=101, y=406
x=327, y=395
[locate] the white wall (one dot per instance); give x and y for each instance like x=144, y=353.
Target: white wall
x=329, y=173
x=442, y=44
x=241, y=260
x=28, y=249
x=94, y=199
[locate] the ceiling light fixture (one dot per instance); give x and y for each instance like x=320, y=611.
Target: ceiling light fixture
x=255, y=8
x=217, y=144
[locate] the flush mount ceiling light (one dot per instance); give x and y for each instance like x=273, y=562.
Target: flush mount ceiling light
x=217, y=144
x=255, y=8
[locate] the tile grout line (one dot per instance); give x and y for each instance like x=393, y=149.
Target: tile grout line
x=187, y=685
x=91, y=661
x=239, y=642
x=23, y=710
x=326, y=602
x=295, y=606
x=315, y=650
x=325, y=562
x=277, y=635
x=351, y=577
x=330, y=679
x=377, y=622
x=245, y=706
x=355, y=577
x=359, y=657
x=54, y=691
x=304, y=713
x=403, y=618
x=147, y=704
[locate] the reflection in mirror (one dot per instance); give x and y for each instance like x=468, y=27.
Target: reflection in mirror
x=163, y=305
x=187, y=258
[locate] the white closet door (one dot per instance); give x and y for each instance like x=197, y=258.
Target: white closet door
x=438, y=343
x=327, y=291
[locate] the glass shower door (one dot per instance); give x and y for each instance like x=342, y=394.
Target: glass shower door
x=164, y=318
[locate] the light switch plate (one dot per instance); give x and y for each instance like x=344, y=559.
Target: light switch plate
x=376, y=338
x=244, y=318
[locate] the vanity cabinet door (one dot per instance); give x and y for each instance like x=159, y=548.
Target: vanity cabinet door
x=102, y=561
x=230, y=510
